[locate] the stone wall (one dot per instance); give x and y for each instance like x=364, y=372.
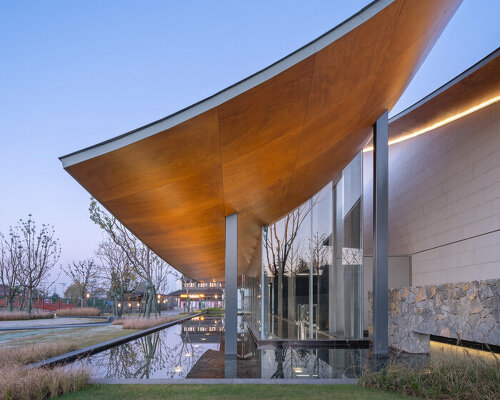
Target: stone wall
x=467, y=311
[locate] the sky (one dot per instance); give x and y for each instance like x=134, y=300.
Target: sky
x=75, y=73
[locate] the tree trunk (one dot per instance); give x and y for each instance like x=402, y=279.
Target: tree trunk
x=30, y=304
x=147, y=311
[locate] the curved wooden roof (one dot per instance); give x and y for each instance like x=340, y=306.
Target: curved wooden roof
x=478, y=85
x=262, y=146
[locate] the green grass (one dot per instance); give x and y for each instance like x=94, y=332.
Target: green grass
x=223, y=392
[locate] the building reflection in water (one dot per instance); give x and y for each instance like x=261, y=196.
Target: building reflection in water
x=169, y=353
x=173, y=352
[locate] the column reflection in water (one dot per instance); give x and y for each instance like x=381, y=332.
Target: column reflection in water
x=311, y=272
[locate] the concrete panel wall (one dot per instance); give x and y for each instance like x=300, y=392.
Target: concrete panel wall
x=444, y=200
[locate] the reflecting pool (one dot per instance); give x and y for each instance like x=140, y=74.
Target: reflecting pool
x=169, y=353
x=195, y=349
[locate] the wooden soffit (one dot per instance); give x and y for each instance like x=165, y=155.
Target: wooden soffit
x=475, y=87
x=264, y=145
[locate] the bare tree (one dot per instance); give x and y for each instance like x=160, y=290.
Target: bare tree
x=279, y=240
x=146, y=264
x=41, y=251
x=116, y=271
x=83, y=274
x=11, y=259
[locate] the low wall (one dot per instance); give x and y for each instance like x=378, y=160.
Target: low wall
x=467, y=311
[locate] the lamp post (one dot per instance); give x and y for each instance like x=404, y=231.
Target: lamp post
x=88, y=296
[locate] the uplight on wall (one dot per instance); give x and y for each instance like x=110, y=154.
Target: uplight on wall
x=440, y=123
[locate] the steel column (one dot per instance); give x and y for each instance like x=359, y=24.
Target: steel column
x=231, y=285
x=380, y=235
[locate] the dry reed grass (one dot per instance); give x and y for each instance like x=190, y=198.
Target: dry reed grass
x=79, y=312
x=18, y=383
x=144, y=323
x=19, y=315
x=459, y=379
x=34, y=352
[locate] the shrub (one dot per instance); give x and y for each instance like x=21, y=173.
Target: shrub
x=18, y=315
x=214, y=311
x=145, y=323
x=34, y=352
x=79, y=312
x=18, y=383
x=469, y=379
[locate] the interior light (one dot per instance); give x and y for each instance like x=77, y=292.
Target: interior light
x=439, y=124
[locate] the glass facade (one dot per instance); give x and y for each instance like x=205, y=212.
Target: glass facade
x=309, y=282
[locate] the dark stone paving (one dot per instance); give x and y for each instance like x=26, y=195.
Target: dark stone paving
x=211, y=366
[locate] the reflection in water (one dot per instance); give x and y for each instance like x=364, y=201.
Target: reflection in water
x=169, y=353
x=172, y=352
x=290, y=363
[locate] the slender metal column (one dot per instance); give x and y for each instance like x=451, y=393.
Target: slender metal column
x=380, y=235
x=231, y=285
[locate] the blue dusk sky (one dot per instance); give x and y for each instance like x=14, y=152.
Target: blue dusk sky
x=75, y=73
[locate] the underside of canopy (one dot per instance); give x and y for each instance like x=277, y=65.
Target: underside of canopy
x=264, y=145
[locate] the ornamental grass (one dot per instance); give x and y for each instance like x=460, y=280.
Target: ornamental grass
x=32, y=353
x=79, y=312
x=144, y=323
x=459, y=379
x=18, y=383
x=19, y=315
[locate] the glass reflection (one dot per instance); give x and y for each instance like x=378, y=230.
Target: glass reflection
x=311, y=282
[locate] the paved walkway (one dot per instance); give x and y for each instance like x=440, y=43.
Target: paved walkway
x=228, y=381
x=52, y=323
x=64, y=322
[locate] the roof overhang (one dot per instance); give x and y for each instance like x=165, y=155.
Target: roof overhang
x=264, y=145
x=474, y=89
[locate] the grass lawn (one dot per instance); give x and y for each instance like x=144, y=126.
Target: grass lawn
x=222, y=392
x=83, y=336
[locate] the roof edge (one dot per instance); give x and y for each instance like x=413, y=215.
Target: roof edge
x=230, y=92
x=485, y=60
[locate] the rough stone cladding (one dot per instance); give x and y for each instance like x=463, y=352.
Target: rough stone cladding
x=467, y=311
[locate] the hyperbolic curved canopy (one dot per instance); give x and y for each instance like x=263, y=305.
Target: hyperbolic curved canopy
x=264, y=145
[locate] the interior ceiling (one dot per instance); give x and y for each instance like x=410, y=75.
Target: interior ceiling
x=265, y=150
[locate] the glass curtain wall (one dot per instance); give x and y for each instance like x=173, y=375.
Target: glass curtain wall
x=310, y=285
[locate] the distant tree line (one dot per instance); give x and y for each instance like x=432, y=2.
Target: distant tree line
x=121, y=265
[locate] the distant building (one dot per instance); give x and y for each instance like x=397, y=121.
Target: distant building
x=197, y=295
